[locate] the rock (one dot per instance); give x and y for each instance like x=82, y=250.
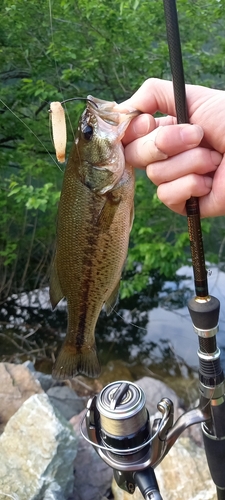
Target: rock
x=37, y=450
x=28, y=364
x=115, y=370
x=66, y=401
x=183, y=473
x=63, y=397
x=92, y=476
x=17, y=385
x=55, y=493
x=44, y=379
x=194, y=432
x=154, y=391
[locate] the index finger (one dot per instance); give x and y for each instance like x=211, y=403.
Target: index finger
x=158, y=95
x=154, y=95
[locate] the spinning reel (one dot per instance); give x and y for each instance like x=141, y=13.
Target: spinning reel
x=120, y=429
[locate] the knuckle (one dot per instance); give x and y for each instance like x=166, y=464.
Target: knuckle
x=150, y=82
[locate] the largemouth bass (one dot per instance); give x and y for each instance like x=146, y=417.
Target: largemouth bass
x=95, y=217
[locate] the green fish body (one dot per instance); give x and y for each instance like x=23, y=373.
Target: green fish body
x=95, y=217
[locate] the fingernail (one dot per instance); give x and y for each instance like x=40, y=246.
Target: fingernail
x=192, y=134
x=216, y=157
x=208, y=182
x=143, y=125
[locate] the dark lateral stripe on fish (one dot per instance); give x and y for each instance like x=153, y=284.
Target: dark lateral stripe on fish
x=80, y=338
x=81, y=329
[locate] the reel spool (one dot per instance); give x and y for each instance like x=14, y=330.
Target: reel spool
x=123, y=420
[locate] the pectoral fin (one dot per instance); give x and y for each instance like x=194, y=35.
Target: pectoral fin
x=112, y=300
x=55, y=291
x=131, y=217
x=107, y=214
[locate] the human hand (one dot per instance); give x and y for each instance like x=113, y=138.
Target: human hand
x=178, y=159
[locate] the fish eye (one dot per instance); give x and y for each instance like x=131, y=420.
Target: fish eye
x=88, y=132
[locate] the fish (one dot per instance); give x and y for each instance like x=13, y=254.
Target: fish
x=95, y=216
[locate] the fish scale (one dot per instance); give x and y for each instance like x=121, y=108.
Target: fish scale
x=95, y=217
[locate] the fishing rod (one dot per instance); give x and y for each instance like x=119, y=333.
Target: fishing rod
x=203, y=308
x=117, y=422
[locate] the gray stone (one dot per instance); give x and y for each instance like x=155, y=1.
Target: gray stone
x=92, y=477
x=66, y=401
x=44, y=379
x=37, y=451
x=194, y=432
x=55, y=493
x=154, y=391
x=29, y=365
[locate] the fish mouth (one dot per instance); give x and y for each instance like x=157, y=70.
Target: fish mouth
x=109, y=112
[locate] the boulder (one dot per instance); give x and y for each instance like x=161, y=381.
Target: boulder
x=154, y=391
x=92, y=476
x=66, y=401
x=17, y=385
x=37, y=451
x=63, y=397
x=184, y=473
x=46, y=380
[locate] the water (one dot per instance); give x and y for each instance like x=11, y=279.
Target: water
x=170, y=320
x=150, y=333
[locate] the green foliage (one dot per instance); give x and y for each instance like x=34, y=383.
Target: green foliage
x=51, y=50
x=34, y=198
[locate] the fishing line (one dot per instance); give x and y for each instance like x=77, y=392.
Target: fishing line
x=130, y=323
x=56, y=66
x=79, y=99
x=53, y=42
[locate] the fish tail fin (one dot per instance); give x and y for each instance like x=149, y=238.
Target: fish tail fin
x=72, y=361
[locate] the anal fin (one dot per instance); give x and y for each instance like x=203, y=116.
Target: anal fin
x=112, y=300
x=55, y=291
